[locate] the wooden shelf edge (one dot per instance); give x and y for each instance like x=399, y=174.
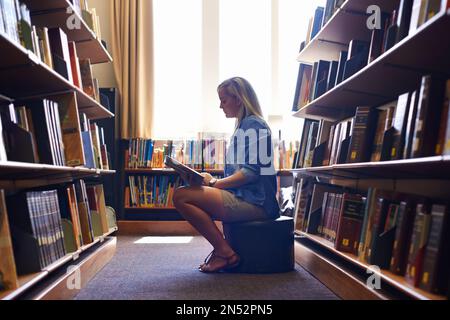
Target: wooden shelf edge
x=386, y=276
x=339, y=281
x=330, y=170
x=89, y=266
x=27, y=281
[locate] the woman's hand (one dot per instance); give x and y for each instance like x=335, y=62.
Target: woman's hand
x=206, y=178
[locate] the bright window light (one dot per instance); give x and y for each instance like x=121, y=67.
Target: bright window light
x=199, y=43
x=164, y=240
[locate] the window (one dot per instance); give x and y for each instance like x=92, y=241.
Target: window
x=200, y=43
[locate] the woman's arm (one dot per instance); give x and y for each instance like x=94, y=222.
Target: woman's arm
x=236, y=180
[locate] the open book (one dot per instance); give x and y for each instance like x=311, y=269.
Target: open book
x=189, y=175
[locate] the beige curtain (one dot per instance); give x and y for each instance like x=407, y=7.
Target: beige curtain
x=132, y=45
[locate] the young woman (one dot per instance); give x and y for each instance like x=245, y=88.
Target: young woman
x=248, y=191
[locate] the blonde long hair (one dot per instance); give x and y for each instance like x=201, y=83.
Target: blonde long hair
x=241, y=89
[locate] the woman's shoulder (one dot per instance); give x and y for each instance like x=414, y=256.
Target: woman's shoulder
x=254, y=122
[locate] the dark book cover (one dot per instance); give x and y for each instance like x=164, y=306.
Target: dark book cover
x=60, y=50
x=363, y=134
x=391, y=34
x=403, y=233
x=377, y=37
x=43, y=132
x=343, y=152
x=321, y=79
x=386, y=149
x=350, y=223
x=319, y=153
x=436, y=260
x=418, y=243
x=28, y=247
x=429, y=110
x=341, y=67
x=404, y=19
x=19, y=143
x=378, y=255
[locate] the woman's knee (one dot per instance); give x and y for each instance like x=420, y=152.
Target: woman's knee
x=180, y=196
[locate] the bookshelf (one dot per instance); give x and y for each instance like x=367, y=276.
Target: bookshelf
x=397, y=70
x=391, y=74
x=397, y=281
x=55, y=14
x=161, y=213
x=24, y=77
x=18, y=64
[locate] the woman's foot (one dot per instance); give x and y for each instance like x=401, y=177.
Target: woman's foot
x=216, y=263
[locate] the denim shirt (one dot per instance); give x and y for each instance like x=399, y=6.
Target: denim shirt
x=250, y=151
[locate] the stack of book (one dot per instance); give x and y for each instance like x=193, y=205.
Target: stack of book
x=414, y=126
x=403, y=233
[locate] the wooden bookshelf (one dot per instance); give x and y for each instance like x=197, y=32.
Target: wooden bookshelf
x=18, y=175
x=339, y=30
x=392, y=74
x=24, y=76
x=388, y=277
x=54, y=13
x=397, y=71
x=437, y=167
x=18, y=64
x=26, y=282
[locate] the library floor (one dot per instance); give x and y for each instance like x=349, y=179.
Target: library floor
x=153, y=269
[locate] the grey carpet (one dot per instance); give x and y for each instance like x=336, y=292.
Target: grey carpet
x=168, y=272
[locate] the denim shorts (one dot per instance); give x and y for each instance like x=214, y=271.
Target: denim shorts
x=238, y=210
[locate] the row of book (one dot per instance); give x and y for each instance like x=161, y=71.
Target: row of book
x=416, y=125
x=321, y=16
x=205, y=154
x=38, y=228
x=49, y=131
x=51, y=46
x=315, y=80
x=199, y=154
x=151, y=191
x=403, y=233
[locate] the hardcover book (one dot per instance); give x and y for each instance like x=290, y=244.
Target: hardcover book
x=350, y=223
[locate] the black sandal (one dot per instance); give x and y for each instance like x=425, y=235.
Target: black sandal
x=231, y=262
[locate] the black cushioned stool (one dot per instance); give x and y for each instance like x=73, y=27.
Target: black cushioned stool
x=264, y=246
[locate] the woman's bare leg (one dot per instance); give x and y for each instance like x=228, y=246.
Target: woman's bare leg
x=199, y=206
